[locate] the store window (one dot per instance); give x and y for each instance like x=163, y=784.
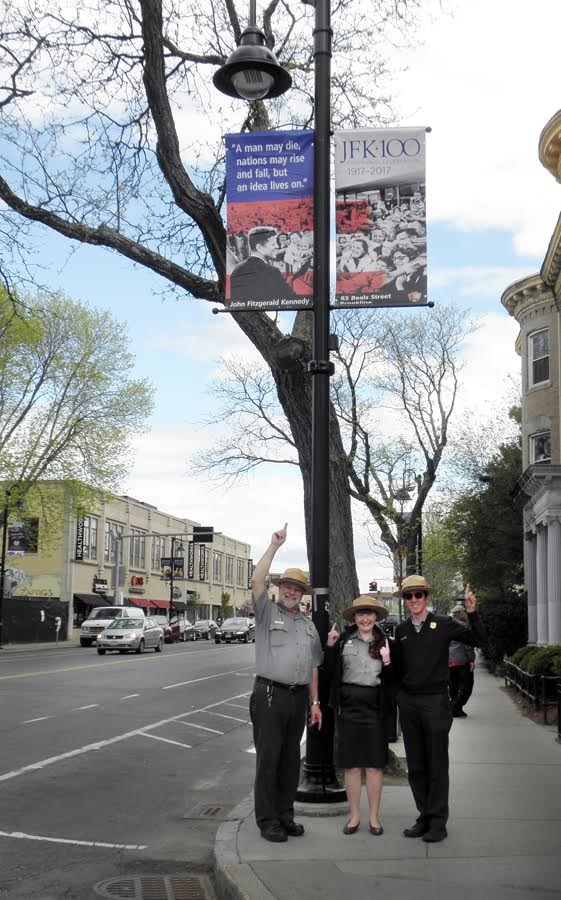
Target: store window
x=540, y=447
x=538, y=357
x=90, y=537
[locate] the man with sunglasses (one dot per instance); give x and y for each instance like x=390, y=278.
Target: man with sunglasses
x=420, y=660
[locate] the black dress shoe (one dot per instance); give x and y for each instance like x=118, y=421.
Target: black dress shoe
x=376, y=829
x=434, y=835
x=351, y=829
x=274, y=833
x=416, y=830
x=293, y=829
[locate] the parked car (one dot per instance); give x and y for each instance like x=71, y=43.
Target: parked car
x=205, y=628
x=171, y=632
x=241, y=630
x=102, y=616
x=186, y=631
x=137, y=633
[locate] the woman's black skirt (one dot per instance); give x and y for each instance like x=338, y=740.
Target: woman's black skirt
x=360, y=728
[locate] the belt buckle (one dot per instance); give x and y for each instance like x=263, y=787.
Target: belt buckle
x=292, y=688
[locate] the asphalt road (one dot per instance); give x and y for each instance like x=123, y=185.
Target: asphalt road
x=118, y=765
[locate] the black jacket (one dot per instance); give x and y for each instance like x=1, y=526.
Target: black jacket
x=420, y=661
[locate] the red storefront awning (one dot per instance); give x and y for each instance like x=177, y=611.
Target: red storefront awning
x=146, y=604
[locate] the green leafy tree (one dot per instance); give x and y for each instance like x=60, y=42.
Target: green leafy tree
x=68, y=406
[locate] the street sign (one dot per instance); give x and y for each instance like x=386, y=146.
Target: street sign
x=203, y=534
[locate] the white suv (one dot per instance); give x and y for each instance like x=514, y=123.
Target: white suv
x=102, y=616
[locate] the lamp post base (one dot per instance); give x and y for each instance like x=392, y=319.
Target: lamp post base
x=320, y=785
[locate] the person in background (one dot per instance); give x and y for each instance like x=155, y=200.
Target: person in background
x=287, y=655
x=420, y=657
x=461, y=665
x=359, y=661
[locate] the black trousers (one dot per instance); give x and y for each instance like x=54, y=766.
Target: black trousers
x=461, y=685
x=425, y=722
x=278, y=718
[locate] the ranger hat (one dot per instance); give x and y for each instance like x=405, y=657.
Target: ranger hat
x=294, y=576
x=413, y=583
x=365, y=603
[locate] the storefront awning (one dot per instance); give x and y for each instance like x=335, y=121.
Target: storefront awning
x=179, y=605
x=93, y=599
x=146, y=604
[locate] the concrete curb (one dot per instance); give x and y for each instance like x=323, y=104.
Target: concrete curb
x=235, y=880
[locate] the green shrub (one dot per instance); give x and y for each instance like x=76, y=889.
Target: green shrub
x=519, y=655
x=540, y=662
x=556, y=665
x=505, y=621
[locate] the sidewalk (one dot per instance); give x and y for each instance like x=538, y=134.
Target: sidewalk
x=504, y=833
x=51, y=645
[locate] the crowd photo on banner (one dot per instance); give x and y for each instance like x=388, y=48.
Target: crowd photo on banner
x=381, y=231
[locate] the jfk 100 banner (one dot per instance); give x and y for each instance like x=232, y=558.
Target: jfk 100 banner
x=381, y=232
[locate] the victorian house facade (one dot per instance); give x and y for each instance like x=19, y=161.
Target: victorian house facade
x=535, y=303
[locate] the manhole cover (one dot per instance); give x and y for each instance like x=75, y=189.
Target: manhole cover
x=156, y=887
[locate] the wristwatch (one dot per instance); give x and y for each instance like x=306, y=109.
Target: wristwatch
x=314, y=702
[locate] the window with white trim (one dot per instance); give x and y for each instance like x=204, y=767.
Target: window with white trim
x=90, y=537
x=241, y=573
x=137, y=548
x=216, y=566
x=229, y=570
x=112, y=530
x=540, y=447
x=538, y=357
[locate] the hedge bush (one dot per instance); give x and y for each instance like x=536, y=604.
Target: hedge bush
x=540, y=662
x=505, y=621
x=556, y=665
x=518, y=656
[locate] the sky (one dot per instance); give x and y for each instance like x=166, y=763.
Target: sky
x=485, y=79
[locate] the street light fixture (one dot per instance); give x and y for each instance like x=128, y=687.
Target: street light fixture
x=252, y=71
x=320, y=784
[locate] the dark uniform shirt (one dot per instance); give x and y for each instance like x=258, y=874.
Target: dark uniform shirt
x=421, y=658
x=287, y=647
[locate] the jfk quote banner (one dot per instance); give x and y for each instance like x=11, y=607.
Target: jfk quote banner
x=269, y=189
x=381, y=233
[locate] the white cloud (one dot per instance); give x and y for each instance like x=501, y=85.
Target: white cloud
x=478, y=281
x=486, y=81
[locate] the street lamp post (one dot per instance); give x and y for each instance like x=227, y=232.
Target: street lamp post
x=4, y=546
x=320, y=784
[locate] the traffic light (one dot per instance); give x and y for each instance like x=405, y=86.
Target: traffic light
x=373, y=586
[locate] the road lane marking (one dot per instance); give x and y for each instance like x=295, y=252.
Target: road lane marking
x=129, y=696
x=78, y=708
x=107, y=662
x=234, y=718
x=203, y=727
x=156, y=737
x=238, y=706
x=20, y=835
x=168, y=687
x=39, y=719
x=99, y=745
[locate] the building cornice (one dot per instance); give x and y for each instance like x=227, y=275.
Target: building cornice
x=551, y=266
x=523, y=293
x=549, y=146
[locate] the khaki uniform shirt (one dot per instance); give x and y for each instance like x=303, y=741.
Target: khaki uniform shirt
x=287, y=647
x=358, y=666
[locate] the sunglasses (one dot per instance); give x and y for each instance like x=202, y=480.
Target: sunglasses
x=418, y=595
